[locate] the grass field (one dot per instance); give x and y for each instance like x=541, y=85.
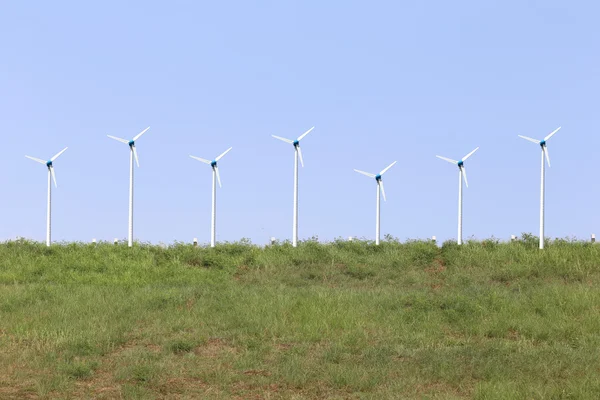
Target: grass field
x=486, y=320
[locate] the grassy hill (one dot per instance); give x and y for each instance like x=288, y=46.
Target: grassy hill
x=341, y=320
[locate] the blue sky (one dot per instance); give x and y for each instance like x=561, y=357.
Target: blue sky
x=380, y=80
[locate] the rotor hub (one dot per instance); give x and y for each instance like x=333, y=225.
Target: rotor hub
x=296, y=143
x=213, y=164
x=48, y=163
x=378, y=177
x=461, y=163
x=543, y=143
x=131, y=143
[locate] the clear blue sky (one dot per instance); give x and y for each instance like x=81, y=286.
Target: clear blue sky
x=381, y=81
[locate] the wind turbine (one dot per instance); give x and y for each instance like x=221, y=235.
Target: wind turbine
x=132, y=154
x=545, y=155
x=380, y=191
x=215, y=177
x=462, y=174
x=297, y=154
x=51, y=176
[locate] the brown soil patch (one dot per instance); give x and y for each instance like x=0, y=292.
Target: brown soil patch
x=213, y=348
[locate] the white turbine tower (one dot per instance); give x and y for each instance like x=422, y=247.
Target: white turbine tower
x=545, y=155
x=380, y=191
x=297, y=154
x=51, y=176
x=462, y=174
x=132, y=154
x=215, y=177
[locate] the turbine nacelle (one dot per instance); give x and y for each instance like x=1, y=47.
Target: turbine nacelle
x=49, y=164
x=131, y=144
x=378, y=177
x=542, y=143
x=296, y=143
x=460, y=164
x=213, y=163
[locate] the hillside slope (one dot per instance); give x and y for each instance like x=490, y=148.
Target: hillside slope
x=340, y=320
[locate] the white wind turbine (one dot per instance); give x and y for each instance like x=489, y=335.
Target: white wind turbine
x=545, y=155
x=132, y=154
x=51, y=176
x=215, y=177
x=462, y=174
x=297, y=154
x=380, y=191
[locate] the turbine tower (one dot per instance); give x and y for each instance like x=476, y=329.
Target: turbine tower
x=380, y=191
x=215, y=177
x=545, y=155
x=51, y=176
x=462, y=174
x=132, y=154
x=297, y=154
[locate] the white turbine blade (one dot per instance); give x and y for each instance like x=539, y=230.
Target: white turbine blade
x=530, y=139
x=57, y=155
x=139, y=135
x=300, y=155
x=447, y=159
x=305, y=133
x=36, y=159
x=470, y=154
x=380, y=183
x=365, y=173
x=201, y=160
x=546, y=154
x=388, y=167
x=53, y=176
x=118, y=139
x=225, y=152
x=137, y=161
x=552, y=134
x=218, y=175
x=283, y=139
x=463, y=170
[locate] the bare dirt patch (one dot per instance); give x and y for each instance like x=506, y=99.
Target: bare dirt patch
x=213, y=348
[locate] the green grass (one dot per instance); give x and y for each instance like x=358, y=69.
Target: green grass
x=485, y=320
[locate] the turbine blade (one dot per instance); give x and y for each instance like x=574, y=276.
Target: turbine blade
x=137, y=161
x=380, y=183
x=57, y=155
x=463, y=171
x=283, y=139
x=365, y=173
x=300, y=155
x=530, y=139
x=118, y=139
x=201, y=160
x=546, y=154
x=305, y=133
x=448, y=159
x=470, y=154
x=36, y=159
x=552, y=134
x=225, y=152
x=139, y=135
x=388, y=167
x=218, y=175
x=53, y=176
